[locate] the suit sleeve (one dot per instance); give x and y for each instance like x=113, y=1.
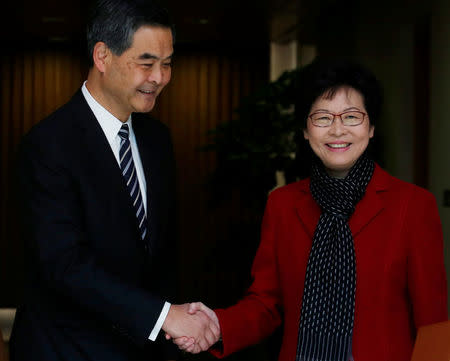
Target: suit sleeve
x=426, y=272
x=258, y=314
x=60, y=252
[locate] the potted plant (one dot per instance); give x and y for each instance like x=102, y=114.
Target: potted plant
x=259, y=144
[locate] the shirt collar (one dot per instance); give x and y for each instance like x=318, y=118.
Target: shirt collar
x=108, y=122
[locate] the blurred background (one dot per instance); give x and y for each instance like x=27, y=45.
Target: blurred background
x=229, y=57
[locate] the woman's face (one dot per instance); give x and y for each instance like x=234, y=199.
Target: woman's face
x=339, y=146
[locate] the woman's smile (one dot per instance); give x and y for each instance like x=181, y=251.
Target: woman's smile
x=338, y=146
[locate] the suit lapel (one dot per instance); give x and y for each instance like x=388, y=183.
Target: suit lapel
x=103, y=168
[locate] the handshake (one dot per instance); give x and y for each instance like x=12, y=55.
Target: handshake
x=193, y=327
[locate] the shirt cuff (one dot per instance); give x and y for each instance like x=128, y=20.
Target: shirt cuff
x=159, y=322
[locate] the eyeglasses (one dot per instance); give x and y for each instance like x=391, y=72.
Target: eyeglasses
x=324, y=119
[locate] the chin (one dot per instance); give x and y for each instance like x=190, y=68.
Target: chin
x=144, y=108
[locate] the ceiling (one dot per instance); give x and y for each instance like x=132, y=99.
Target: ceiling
x=227, y=24
x=233, y=23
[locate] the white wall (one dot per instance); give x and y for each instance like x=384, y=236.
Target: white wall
x=282, y=57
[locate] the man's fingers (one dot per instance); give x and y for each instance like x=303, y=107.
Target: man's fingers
x=215, y=329
x=210, y=338
x=183, y=341
x=186, y=348
x=191, y=349
x=179, y=341
x=202, y=344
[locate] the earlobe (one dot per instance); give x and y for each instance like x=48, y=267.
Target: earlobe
x=371, y=131
x=100, y=56
x=305, y=134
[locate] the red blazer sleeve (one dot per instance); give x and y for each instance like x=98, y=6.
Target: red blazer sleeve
x=257, y=315
x=427, y=283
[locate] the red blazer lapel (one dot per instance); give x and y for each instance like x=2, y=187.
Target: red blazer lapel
x=367, y=209
x=371, y=204
x=308, y=211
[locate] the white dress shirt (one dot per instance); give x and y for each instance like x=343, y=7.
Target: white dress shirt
x=111, y=126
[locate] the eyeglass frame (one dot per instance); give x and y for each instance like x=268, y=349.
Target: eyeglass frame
x=338, y=115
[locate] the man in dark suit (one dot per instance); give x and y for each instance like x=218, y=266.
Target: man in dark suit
x=96, y=182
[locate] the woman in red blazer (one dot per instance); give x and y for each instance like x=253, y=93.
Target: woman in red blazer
x=351, y=259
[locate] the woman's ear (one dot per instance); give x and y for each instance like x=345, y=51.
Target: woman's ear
x=305, y=134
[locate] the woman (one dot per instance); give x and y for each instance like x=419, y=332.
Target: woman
x=351, y=259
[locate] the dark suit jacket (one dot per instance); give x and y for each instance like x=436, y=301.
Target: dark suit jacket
x=400, y=275
x=93, y=291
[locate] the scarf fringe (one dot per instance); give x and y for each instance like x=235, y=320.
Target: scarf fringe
x=324, y=347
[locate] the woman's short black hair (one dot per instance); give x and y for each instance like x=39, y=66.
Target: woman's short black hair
x=324, y=77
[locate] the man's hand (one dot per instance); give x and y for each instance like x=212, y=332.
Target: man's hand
x=190, y=344
x=191, y=328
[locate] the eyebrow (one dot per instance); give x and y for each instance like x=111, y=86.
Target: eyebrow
x=148, y=56
x=345, y=110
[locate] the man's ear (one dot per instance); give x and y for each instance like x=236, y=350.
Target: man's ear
x=101, y=56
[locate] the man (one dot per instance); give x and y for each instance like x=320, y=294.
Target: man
x=97, y=188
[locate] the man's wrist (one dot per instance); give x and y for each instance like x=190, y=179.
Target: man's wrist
x=159, y=323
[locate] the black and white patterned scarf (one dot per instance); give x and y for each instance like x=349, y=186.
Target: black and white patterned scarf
x=328, y=306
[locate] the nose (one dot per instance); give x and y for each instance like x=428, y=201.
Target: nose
x=337, y=128
x=156, y=75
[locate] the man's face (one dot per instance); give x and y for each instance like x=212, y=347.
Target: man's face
x=133, y=80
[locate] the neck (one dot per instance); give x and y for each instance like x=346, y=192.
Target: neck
x=95, y=88
x=340, y=174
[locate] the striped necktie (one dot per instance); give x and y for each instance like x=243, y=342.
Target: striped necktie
x=129, y=173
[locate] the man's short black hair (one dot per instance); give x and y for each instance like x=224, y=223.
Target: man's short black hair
x=114, y=22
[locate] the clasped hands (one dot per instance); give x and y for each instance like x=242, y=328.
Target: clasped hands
x=193, y=327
